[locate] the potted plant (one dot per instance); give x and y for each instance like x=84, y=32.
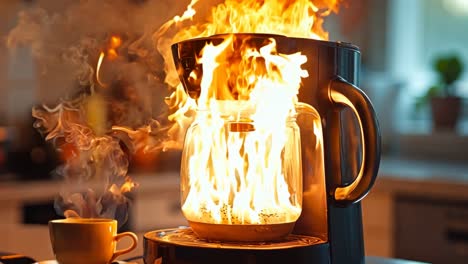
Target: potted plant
x=444, y=103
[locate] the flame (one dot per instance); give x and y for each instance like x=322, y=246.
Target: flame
x=98, y=69
x=126, y=187
x=293, y=18
x=260, y=89
x=114, y=43
x=240, y=177
x=187, y=15
x=250, y=185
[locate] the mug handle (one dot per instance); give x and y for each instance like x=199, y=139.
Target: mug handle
x=346, y=94
x=126, y=250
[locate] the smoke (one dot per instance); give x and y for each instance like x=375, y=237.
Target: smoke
x=136, y=102
x=66, y=41
x=96, y=165
x=94, y=127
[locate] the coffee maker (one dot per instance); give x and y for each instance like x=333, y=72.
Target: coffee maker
x=329, y=229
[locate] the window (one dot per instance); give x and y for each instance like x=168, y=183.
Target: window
x=399, y=40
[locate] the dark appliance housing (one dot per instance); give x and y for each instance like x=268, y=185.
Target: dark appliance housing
x=330, y=232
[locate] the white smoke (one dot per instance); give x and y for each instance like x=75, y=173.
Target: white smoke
x=74, y=112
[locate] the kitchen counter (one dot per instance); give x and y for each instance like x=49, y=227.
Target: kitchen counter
x=376, y=260
x=411, y=206
x=423, y=177
x=369, y=260
x=156, y=203
x=427, y=170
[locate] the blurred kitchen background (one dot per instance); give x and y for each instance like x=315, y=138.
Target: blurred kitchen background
x=418, y=208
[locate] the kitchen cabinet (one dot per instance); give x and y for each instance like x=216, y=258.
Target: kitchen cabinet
x=378, y=224
x=418, y=210
x=431, y=230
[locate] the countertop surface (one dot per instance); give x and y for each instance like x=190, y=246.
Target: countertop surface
x=423, y=178
x=376, y=260
x=424, y=170
x=369, y=260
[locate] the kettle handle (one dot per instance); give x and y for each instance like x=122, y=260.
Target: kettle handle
x=346, y=94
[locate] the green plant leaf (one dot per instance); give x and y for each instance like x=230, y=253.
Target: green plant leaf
x=434, y=90
x=449, y=69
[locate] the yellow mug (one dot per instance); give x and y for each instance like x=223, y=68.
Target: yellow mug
x=87, y=240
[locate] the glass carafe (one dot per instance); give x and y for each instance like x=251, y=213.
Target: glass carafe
x=241, y=179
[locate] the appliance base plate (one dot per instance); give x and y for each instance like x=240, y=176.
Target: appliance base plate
x=181, y=245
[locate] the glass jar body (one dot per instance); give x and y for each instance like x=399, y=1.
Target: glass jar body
x=241, y=179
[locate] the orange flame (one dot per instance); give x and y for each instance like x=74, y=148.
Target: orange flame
x=98, y=69
x=251, y=185
x=293, y=18
x=114, y=43
x=126, y=187
x=265, y=82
